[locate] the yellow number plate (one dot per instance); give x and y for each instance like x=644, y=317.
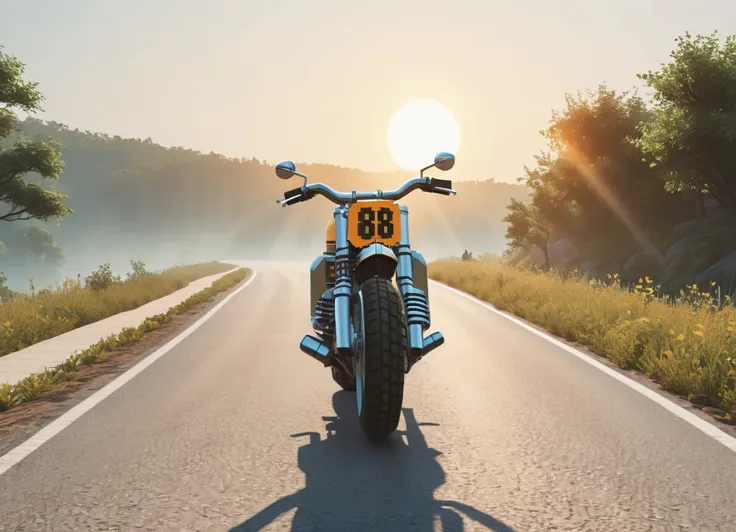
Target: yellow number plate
x=374, y=221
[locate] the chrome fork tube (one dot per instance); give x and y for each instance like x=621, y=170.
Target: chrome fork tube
x=415, y=301
x=343, y=289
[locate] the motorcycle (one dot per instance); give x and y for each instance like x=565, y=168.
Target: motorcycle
x=368, y=329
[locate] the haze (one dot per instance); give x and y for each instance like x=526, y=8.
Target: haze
x=318, y=80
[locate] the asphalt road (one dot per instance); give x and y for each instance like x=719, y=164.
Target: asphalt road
x=501, y=431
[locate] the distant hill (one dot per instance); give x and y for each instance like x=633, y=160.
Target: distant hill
x=133, y=198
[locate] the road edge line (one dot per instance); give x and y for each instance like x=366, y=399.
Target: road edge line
x=690, y=418
x=23, y=450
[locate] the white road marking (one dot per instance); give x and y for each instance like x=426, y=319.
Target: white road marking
x=20, y=452
x=697, y=422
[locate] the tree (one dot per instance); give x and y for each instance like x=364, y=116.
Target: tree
x=42, y=247
x=600, y=166
x=595, y=185
x=693, y=135
x=19, y=198
x=42, y=251
x=552, y=198
x=138, y=269
x=5, y=293
x=526, y=228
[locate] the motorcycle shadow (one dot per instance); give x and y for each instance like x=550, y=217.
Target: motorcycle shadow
x=354, y=485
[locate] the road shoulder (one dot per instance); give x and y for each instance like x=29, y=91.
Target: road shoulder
x=24, y=420
x=53, y=351
x=633, y=375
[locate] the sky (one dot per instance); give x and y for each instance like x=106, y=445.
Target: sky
x=318, y=80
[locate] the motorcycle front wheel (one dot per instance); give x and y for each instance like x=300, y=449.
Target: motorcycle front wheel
x=381, y=348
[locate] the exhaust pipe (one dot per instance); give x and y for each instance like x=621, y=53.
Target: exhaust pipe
x=431, y=342
x=316, y=349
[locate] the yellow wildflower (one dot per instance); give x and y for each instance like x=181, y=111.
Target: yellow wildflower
x=698, y=333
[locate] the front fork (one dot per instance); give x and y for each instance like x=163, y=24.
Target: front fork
x=416, y=302
x=343, y=290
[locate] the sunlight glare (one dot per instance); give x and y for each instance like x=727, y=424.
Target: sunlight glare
x=420, y=129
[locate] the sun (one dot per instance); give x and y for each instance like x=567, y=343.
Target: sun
x=420, y=129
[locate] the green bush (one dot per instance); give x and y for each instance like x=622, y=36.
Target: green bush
x=101, y=279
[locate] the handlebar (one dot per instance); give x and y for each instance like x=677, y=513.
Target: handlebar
x=427, y=184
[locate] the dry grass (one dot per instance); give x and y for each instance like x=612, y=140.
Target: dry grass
x=687, y=345
x=31, y=318
x=35, y=385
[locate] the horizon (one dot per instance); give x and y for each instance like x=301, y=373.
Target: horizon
x=217, y=77
x=273, y=164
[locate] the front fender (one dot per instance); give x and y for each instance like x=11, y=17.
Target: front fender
x=375, y=260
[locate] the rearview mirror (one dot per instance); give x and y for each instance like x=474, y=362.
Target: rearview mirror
x=286, y=170
x=444, y=161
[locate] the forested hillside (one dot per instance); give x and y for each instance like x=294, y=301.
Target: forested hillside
x=135, y=199
x=642, y=188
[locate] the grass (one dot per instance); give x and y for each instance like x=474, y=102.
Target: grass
x=27, y=319
x=35, y=385
x=686, y=344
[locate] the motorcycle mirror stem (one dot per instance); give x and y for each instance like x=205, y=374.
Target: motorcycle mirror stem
x=443, y=161
x=287, y=170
